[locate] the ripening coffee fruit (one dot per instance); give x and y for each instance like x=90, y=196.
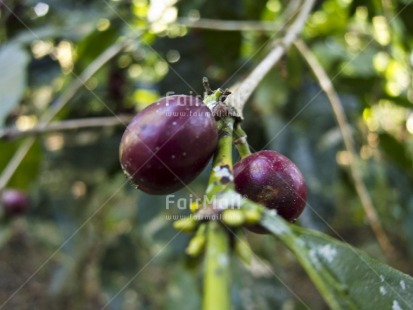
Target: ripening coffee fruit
x=168, y=144
x=14, y=202
x=270, y=178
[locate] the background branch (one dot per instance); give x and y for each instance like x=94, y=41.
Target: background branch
x=248, y=85
x=242, y=25
x=74, y=124
x=226, y=25
x=366, y=201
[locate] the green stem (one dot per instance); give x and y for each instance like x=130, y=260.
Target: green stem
x=212, y=99
x=221, y=175
x=216, y=281
x=240, y=141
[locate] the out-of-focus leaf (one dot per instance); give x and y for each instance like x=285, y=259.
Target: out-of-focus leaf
x=96, y=42
x=27, y=171
x=5, y=233
x=254, y=288
x=184, y=290
x=331, y=20
x=395, y=150
x=346, y=277
x=399, y=100
x=72, y=31
x=405, y=8
x=359, y=64
x=330, y=51
x=13, y=62
x=271, y=94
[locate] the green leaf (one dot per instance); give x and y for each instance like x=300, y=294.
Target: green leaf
x=346, y=277
x=13, y=62
x=94, y=44
x=28, y=170
x=395, y=150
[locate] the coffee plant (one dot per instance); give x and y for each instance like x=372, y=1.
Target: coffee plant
x=128, y=182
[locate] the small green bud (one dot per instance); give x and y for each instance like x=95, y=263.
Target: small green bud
x=186, y=224
x=194, y=206
x=252, y=216
x=196, y=245
x=233, y=217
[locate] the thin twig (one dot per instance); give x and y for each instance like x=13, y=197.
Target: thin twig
x=245, y=89
x=366, y=201
x=241, y=25
x=227, y=25
x=240, y=141
x=61, y=101
x=73, y=124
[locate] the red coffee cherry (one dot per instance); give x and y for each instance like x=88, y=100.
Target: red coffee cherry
x=14, y=202
x=270, y=178
x=168, y=144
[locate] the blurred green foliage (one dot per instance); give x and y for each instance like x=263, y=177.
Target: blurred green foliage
x=91, y=240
